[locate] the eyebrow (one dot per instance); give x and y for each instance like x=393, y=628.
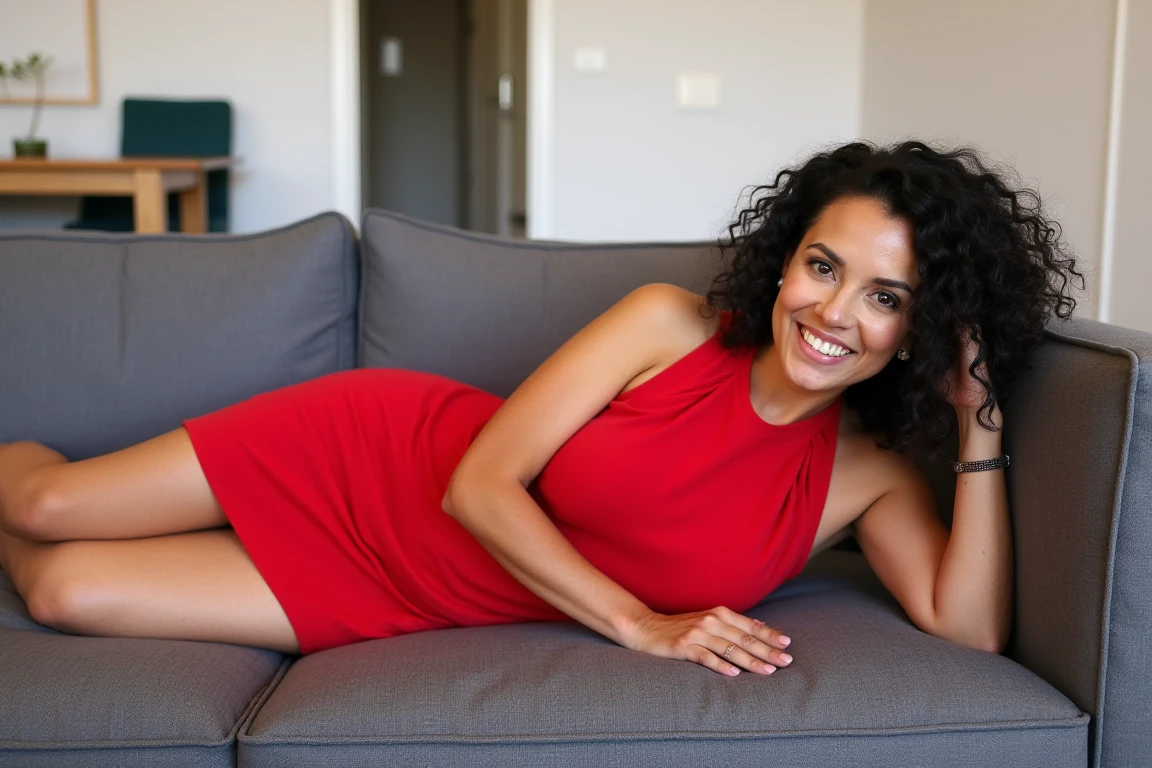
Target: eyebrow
x=884, y=281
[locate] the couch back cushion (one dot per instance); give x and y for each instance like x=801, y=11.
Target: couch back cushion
x=487, y=310
x=107, y=340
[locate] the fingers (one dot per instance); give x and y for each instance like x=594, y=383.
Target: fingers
x=771, y=652
x=713, y=658
x=741, y=642
x=766, y=634
x=738, y=657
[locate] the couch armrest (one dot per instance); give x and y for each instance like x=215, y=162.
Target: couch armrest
x=1079, y=431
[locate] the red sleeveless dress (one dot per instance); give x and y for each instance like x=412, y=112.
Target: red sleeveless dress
x=677, y=490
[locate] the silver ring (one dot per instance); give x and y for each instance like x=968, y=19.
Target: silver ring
x=728, y=650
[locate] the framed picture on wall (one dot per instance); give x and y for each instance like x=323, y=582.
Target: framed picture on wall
x=63, y=30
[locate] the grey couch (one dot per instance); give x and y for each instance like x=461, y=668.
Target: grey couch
x=107, y=340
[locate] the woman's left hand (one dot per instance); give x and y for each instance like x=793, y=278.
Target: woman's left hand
x=965, y=393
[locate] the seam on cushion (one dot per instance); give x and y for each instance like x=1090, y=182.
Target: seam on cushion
x=535, y=245
x=122, y=311
x=196, y=747
x=132, y=237
x=39, y=746
x=343, y=297
x=249, y=716
x=242, y=724
x=1113, y=534
x=1080, y=721
x=351, y=276
x=362, y=294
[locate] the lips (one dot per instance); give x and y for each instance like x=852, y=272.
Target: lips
x=824, y=336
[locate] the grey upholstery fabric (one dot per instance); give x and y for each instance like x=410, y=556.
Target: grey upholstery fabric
x=95, y=701
x=107, y=340
x=487, y=310
x=101, y=347
x=865, y=683
x=1081, y=443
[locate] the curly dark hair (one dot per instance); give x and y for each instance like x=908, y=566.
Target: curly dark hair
x=990, y=263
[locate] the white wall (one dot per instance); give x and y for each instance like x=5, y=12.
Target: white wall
x=628, y=164
x=1027, y=81
x=270, y=58
x=1132, y=254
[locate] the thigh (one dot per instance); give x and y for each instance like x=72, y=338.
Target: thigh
x=189, y=586
x=149, y=489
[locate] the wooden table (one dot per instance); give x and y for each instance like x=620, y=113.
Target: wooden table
x=147, y=180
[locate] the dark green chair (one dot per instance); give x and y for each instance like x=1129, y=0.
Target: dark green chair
x=167, y=128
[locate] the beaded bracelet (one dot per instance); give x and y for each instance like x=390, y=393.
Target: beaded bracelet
x=980, y=466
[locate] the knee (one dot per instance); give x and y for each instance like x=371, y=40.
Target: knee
x=33, y=506
x=62, y=602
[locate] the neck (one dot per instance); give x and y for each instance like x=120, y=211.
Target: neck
x=776, y=399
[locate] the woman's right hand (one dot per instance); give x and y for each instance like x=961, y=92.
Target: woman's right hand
x=704, y=636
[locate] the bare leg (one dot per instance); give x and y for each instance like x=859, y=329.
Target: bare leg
x=167, y=578
x=150, y=489
x=188, y=586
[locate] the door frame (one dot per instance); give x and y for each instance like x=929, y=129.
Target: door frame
x=344, y=123
x=538, y=165
x=348, y=158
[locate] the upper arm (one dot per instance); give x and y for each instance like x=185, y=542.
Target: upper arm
x=904, y=540
x=574, y=384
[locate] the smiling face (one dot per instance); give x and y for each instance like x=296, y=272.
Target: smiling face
x=846, y=289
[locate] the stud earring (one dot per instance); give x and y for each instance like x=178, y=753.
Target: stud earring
x=903, y=354
x=780, y=283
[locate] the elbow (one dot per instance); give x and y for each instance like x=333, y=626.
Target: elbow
x=995, y=642
x=458, y=490
x=990, y=639
x=474, y=503
x=987, y=643
x=447, y=503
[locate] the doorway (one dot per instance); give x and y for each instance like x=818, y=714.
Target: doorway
x=443, y=111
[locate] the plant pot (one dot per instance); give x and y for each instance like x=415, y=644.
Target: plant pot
x=29, y=148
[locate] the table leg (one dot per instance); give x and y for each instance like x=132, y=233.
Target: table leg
x=194, y=207
x=150, y=202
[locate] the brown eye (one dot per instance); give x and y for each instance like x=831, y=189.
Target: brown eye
x=888, y=300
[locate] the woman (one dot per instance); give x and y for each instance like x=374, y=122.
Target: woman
x=660, y=473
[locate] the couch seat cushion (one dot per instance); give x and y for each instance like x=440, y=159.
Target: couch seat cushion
x=94, y=701
x=865, y=684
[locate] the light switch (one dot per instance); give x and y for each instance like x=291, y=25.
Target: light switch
x=391, y=57
x=698, y=90
x=590, y=60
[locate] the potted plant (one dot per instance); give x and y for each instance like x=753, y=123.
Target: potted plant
x=31, y=68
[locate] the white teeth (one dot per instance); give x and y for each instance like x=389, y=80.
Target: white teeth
x=823, y=347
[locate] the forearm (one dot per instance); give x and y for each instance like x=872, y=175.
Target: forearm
x=974, y=586
x=508, y=522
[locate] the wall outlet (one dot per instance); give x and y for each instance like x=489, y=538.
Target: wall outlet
x=590, y=60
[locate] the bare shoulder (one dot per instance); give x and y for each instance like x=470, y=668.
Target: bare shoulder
x=861, y=473
x=683, y=308
x=640, y=333
x=687, y=327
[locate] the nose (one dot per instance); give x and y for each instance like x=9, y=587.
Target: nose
x=835, y=308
